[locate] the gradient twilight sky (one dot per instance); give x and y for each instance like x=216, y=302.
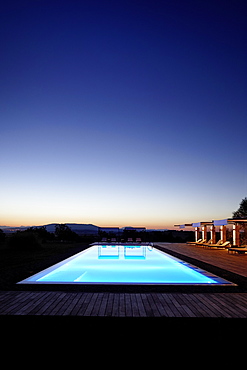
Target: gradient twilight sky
x=122, y=112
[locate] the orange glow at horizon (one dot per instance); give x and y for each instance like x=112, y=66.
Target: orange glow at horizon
x=38, y=221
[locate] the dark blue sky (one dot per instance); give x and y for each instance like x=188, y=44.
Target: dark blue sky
x=122, y=112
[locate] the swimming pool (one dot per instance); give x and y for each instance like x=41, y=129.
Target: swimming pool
x=124, y=264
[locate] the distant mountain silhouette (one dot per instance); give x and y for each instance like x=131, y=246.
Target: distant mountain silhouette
x=77, y=228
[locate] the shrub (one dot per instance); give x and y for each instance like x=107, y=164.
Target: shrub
x=2, y=236
x=24, y=240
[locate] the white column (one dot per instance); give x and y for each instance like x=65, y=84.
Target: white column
x=197, y=233
x=204, y=232
x=223, y=233
x=236, y=235
x=212, y=234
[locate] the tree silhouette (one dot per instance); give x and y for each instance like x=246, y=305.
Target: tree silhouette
x=64, y=233
x=242, y=213
x=242, y=210
x=42, y=233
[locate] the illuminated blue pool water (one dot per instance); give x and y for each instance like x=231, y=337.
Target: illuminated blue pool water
x=123, y=264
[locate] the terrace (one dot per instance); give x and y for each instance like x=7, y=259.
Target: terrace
x=228, y=302
x=218, y=309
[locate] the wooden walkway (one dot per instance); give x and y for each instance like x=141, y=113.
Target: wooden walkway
x=136, y=304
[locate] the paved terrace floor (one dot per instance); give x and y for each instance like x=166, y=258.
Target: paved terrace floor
x=167, y=304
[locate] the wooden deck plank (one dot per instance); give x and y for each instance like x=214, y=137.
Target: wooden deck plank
x=115, y=306
x=15, y=302
x=50, y=305
x=43, y=303
x=222, y=304
x=68, y=306
x=238, y=302
x=128, y=306
x=32, y=305
x=60, y=302
x=196, y=308
x=134, y=304
x=179, y=306
x=91, y=304
x=95, y=311
x=103, y=304
x=182, y=305
x=210, y=302
x=140, y=305
x=151, y=298
x=160, y=304
x=188, y=308
x=84, y=304
x=77, y=303
x=211, y=306
x=241, y=303
x=6, y=301
x=121, y=305
x=174, y=312
x=109, y=305
x=166, y=306
x=146, y=304
x=229, y=305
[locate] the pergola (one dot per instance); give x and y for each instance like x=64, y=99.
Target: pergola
x=235, y=222
x=203, y=225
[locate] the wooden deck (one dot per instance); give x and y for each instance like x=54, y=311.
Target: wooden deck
x=235, y=263
x=227, y=305
x=137, y=304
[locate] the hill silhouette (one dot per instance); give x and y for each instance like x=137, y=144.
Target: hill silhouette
x=77, y=228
